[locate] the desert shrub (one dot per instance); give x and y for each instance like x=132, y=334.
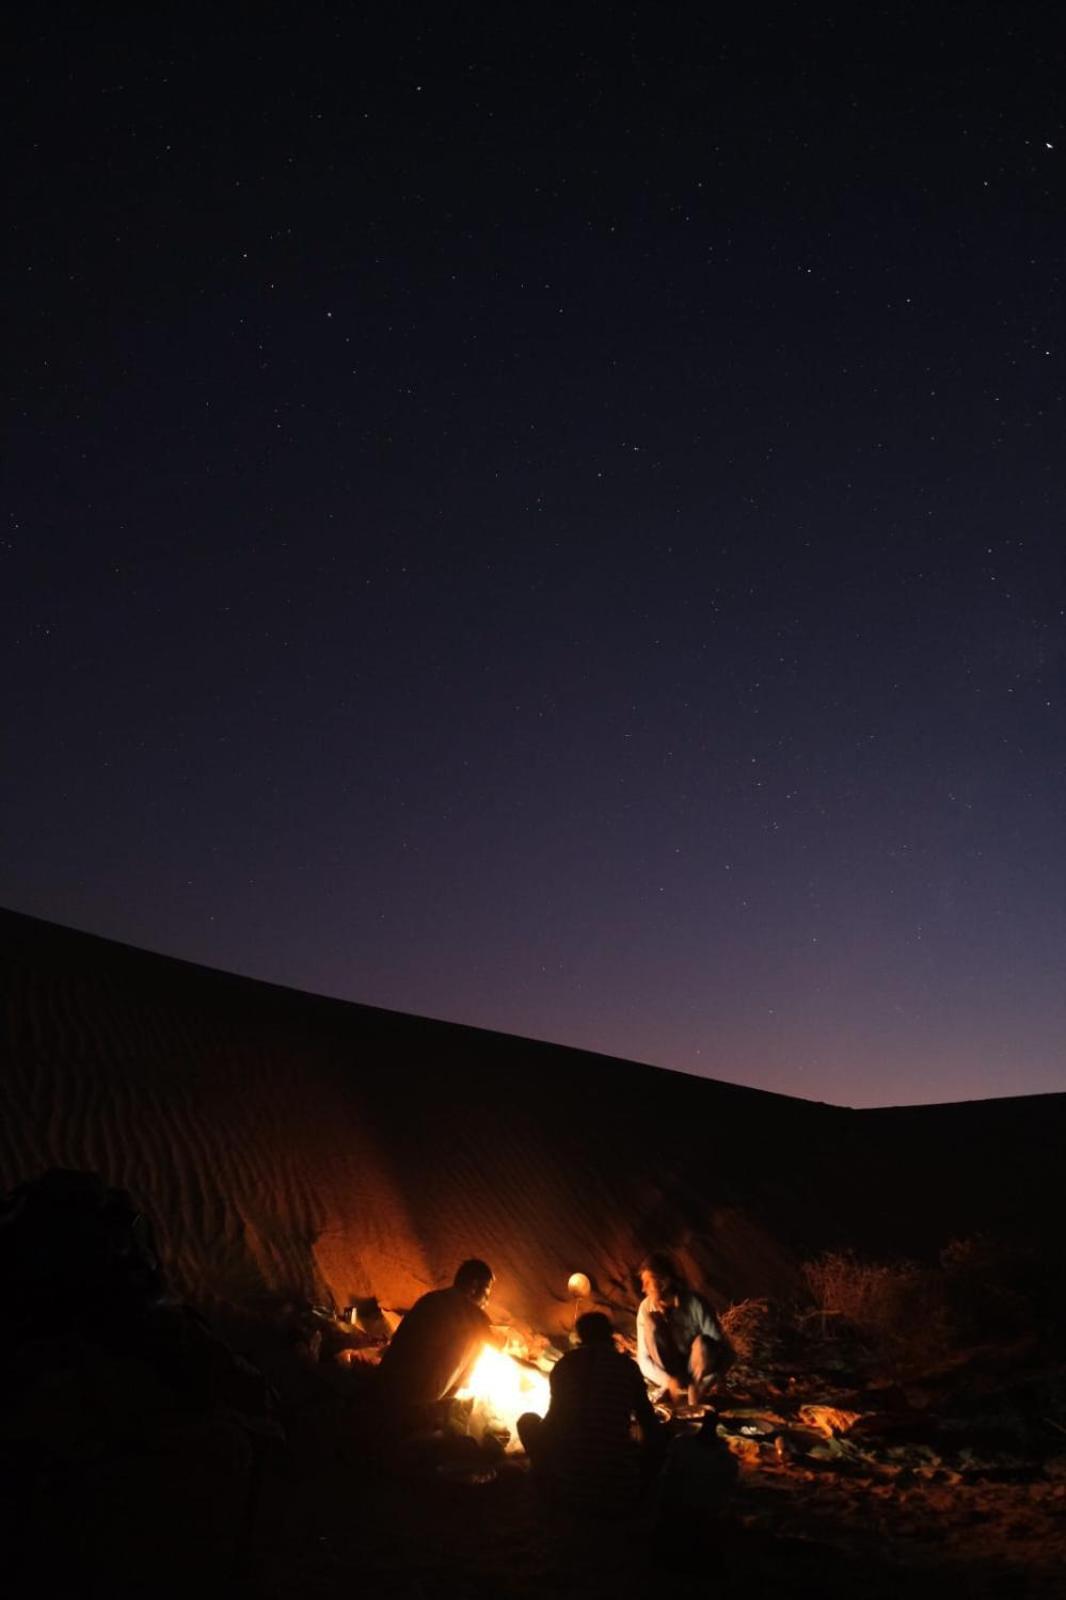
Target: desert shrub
x=760, y=1332
x=985, y=1290
x=900, y=1308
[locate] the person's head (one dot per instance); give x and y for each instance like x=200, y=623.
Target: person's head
x=660, y=1278
x=594, y=1328
x=475, y=1279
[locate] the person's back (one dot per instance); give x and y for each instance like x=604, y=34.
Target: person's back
x=586, y=1444
x=438, y=1341
x=594, y=1398
x=434, y=1346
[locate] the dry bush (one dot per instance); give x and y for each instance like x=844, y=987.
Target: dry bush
x=985, y=1290
x=760, y=1333
x=900, y=1308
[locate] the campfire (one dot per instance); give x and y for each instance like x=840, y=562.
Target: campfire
x=501, y=1389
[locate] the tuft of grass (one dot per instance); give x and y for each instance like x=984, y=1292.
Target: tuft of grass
x=984, y=1290
x=900, y=1308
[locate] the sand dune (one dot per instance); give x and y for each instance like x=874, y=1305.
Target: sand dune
x=286, y=1145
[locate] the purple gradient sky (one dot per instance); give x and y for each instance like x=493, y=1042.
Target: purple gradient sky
x=554, y=522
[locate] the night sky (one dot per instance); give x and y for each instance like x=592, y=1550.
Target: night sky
x=552, y=518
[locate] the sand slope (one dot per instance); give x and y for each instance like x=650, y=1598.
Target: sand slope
x=284, y=1144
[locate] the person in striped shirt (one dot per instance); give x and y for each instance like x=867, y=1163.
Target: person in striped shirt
x=600, y=1439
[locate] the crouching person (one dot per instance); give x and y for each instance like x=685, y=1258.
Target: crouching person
x=434, y=1350
x=600, y=1441
x=681, y=1348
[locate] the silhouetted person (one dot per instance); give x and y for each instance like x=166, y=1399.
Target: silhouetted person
x=600, y=1438
x=67, y=1240
x=697, y=1477
x=681, y=1348
x=432, y=1352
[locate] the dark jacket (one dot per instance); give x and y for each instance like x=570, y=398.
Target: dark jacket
x=434, y=1348
x=597, y=1395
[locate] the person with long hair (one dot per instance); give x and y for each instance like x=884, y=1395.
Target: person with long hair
x=681, y=1348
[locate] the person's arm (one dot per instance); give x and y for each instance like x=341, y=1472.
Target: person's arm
x=705, y=1320
x=561, y=1391
x=477, y=1333
x=708, y=1325
x=647, y=1353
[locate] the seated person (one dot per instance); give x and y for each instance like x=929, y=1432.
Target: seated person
x=432, y=1352
x=681, y=1348
x=585, y=1447
x=698, y=1474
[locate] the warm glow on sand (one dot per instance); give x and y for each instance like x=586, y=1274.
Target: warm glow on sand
x=506, y=1387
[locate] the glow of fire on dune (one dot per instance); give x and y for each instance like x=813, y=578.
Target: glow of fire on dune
x=506, y=1387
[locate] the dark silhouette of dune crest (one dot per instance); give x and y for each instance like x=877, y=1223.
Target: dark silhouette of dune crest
x=287, y=1145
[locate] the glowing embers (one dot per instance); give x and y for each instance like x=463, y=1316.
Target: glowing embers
x=501, y=1389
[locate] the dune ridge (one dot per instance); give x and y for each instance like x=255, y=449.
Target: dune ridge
x=290, y=1146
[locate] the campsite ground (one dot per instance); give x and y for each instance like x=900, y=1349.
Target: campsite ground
x=954, y=1485
x=786, y=1532
x=951, y=1482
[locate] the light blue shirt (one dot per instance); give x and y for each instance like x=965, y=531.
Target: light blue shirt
x=688, y=1320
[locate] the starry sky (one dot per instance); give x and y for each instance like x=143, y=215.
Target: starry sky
x=552, y=518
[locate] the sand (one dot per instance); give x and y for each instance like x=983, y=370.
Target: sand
x=291, y=1149
x=287, y=1146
